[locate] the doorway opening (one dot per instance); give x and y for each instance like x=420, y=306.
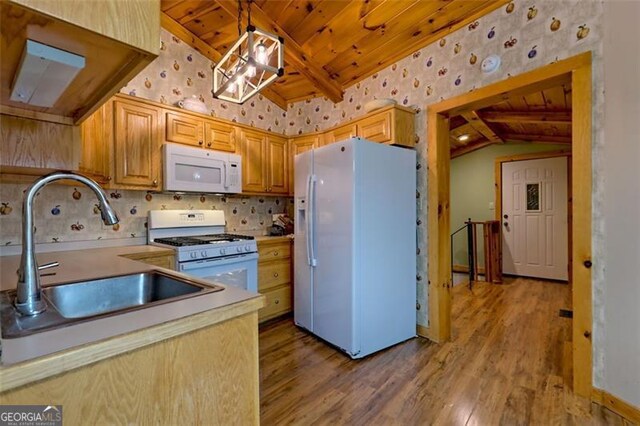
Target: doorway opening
x=575, y=71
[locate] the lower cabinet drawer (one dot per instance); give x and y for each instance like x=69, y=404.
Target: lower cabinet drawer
x=273, y=251
x=273, y=274
x=278, y=302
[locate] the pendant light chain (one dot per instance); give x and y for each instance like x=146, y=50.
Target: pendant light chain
x=239, y=18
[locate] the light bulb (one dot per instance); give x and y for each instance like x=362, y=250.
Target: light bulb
x=261, y=53
x=231, y=88
x=251, y=71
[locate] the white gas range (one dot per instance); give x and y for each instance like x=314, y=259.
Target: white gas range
x=202, y=247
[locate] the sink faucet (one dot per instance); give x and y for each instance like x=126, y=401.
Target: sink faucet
x=29, y=293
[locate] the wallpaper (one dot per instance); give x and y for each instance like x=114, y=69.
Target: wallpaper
x=526, y=35
x=67, y=213
x=181, y=72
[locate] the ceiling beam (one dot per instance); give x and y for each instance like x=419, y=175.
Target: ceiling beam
x=209, y=52
x=481, y=127
x=293, y=53
x=470, y=148
x=539, y=117
x=527, y=138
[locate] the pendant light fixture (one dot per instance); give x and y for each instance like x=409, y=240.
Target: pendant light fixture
x=250, y=65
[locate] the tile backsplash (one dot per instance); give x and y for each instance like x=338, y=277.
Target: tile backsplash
x=68, y=213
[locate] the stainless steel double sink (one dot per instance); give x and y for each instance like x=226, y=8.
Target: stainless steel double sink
x=75, y=302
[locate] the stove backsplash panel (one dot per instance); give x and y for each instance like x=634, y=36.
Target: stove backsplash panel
x=67, y=213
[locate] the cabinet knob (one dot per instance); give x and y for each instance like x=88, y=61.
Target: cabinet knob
x=108, y=178
x=200, y=143
x=275, y=275
x=277, y=302
x=155, y=182
x=209, y=144
x=275, y=253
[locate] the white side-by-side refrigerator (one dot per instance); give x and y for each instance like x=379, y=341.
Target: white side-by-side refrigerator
x=355, y=245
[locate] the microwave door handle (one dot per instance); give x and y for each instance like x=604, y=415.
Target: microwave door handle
x=226, y=175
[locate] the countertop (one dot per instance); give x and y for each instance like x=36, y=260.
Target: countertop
x=56, y=351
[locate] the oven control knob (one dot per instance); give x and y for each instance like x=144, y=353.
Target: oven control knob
x=247, y=248
x=193, y=255
x=223, y=251
x=239, y=249
x=203, y=253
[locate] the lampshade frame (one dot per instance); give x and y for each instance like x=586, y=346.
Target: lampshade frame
x=223, y=77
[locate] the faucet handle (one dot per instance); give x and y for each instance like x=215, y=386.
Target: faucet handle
x=48, y=265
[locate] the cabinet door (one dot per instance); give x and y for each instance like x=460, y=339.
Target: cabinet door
x=297, y=146
x=136, y=144
x=220, y=136
x=254, y=160
x=277, y=165
x=185, y=129
x=340, y=134
x=96, y=143
x=376, y=128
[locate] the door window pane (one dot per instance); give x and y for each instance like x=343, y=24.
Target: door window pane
x=533, y=197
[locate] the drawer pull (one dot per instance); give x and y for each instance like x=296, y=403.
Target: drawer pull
x=275, y=253
x=277, y=302
x=275, y=274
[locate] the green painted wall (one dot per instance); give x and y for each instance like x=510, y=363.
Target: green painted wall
x=472, y=189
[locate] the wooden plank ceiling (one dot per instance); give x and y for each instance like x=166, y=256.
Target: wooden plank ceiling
x=540, y=117
x=329, y=44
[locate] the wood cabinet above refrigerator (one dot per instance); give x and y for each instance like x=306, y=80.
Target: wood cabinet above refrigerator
x=117, y=39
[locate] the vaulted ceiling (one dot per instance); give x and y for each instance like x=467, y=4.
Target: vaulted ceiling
x=540, y=117
x=329, y=44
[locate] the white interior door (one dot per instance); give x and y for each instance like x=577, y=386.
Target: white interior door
x=534, y=218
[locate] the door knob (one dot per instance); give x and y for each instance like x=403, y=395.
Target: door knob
x=506, y=223
x=506, y=216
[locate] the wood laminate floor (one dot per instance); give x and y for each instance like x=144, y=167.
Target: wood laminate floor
x=506, y=364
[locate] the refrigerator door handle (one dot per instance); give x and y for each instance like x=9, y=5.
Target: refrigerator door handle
x=311, y=220
x=308, y=221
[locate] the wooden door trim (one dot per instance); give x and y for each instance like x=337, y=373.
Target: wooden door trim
x=577, y=71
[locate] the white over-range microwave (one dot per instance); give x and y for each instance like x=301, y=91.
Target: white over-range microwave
x=188, y=169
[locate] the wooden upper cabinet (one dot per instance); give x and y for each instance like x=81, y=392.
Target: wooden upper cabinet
x=277, y=165
x=264, y=162
x=184, y=129
x=116, y=38
x=298, y=145
x=340, y=133
x=96, y=144
x=254, y=160
x=376, y=128
x=220, y=136
x=136, y=144
x=31, y=147
x=394, y=125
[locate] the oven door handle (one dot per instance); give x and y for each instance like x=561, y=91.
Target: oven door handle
x=207, y=263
